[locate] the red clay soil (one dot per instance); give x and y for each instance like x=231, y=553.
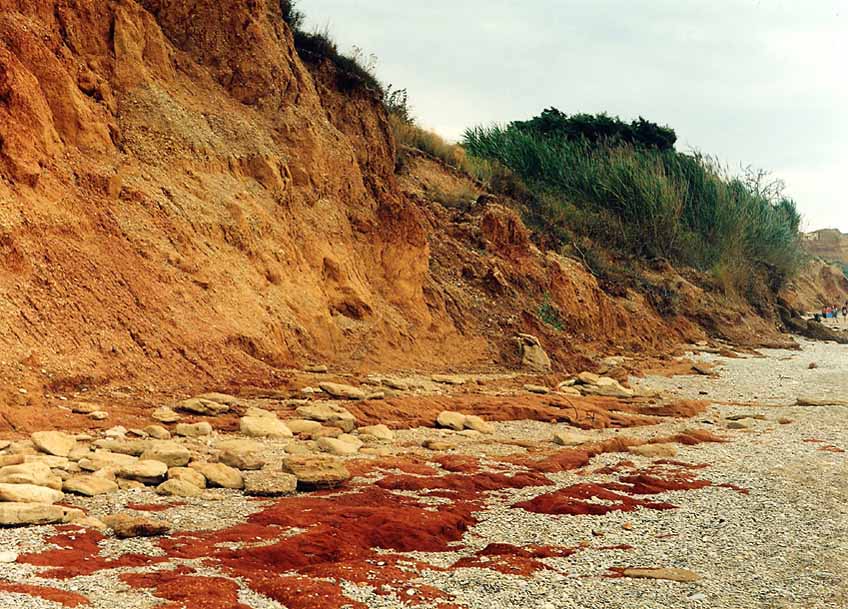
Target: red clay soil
x=68, y=599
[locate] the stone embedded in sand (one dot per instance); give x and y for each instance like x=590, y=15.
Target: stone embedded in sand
x=165, y=415
x=823, y=401
x=118, y=431
x=144, y=471
x=15, y=513
x=29, y=493
x=378, y=432
x=316, y=368
x=99, y=415
x=703, y=368
x=89, y=522
x=202, y=407
x=106, y=460
x=540, y=389
x=342, y=446
x=740, y=424
x=785, y=421
x=569, y=391
x=451, y=420
x=567, y=437
x=8, y=557
x=53, y=442
x=241, y=454
x=221, y=398
x=316, y=471
x=174, y=487
x=606, y=387
x=269, y=484
x=264, y=427
x=447, y=379
x=677, y=575
x=475, y=423
x=219, y=474
x=129, y=485
x=36, y=473
x=125, y=526
x=437, y=445
x=187, y=474
x=169, y=453
x=193, y=430
x=306, y=426
x=157, y=432
x=329, y=413
x=89, y=486
x=259, y=412
x=533, y=356
x=84, y=408
x=342, y=391
x=587, y=378
x=655, y=451
x=124, y=447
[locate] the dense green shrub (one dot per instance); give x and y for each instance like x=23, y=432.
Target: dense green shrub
x=599, y=128
x=645, y=200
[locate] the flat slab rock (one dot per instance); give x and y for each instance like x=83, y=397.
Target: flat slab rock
x=676, y=575
x=316, y=471
x=54, y=442
x=17, y=513
x=340, y=390
x=125, y=526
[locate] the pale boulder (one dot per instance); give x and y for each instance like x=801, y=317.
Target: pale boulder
x=29, y=493
x=264, y=427
x=451, y=420
x=55, y=443
x=169, y=453
x=89, y=486
x=219, y=474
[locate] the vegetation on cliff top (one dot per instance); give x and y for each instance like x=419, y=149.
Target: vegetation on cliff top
x=625, y=186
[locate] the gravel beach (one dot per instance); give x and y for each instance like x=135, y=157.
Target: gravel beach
x=775, y=538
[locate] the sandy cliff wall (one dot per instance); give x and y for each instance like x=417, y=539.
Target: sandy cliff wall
x=184, y=203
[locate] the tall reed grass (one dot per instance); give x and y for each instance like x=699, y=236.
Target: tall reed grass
x=653, y=203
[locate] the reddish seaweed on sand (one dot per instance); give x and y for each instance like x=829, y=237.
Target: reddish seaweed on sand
x=193, y=591
x=68, y=599
x=587, y=498
x=513, y=560
x=79, y=554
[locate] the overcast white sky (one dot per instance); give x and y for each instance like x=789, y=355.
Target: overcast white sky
x=754, y=82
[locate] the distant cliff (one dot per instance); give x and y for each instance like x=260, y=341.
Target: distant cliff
x=829, y=244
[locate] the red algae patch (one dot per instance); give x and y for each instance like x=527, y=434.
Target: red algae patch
x=512, y=560
x=587, y=498
x=190, y=591
x=464, y=464
x=79, y=555
x=465, y=486
x=68, y=599
x=406, y=464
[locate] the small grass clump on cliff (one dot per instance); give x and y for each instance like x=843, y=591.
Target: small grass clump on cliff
x=318, y=46
x=624, y=185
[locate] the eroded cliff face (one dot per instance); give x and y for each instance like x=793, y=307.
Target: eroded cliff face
x=177, y=200
x=183, y=203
